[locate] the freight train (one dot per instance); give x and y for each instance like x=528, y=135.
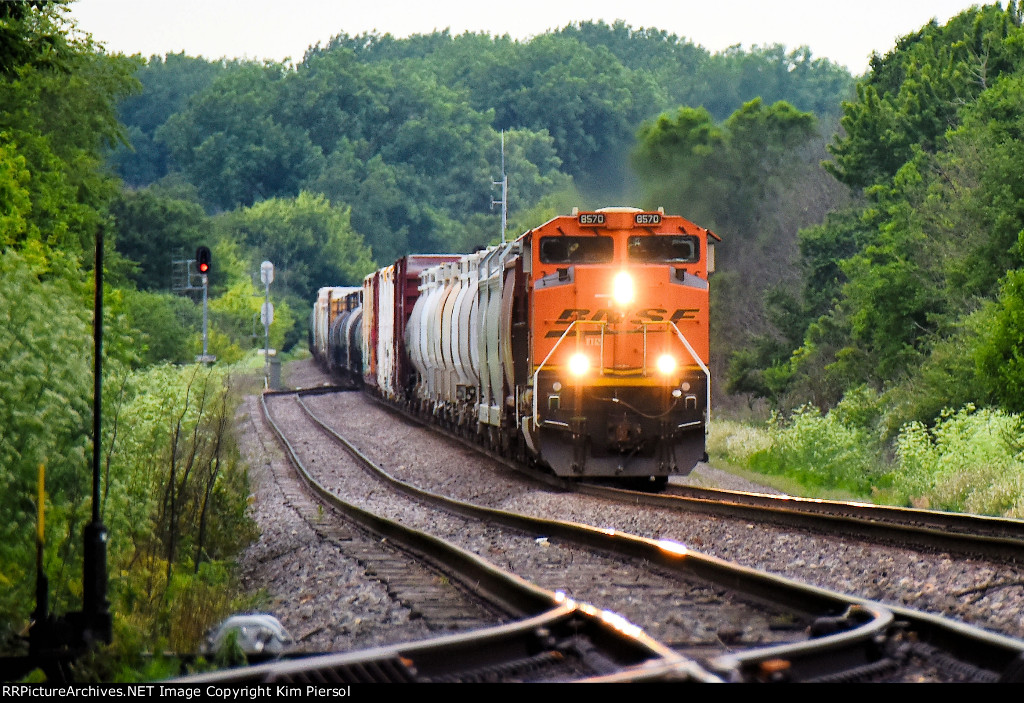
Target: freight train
x=582, y=346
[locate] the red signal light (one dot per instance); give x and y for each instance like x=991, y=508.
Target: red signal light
x=203, y=259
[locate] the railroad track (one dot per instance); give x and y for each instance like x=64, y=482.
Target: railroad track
x=935, y=570
x=541, y=635
x=409, y=579
x=969, y=535
x=961, y=534
x=838, y=636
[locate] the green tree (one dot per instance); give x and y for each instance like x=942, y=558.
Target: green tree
x=310, y=243
x=334, y=96
x=44, y=420
x=983, y=187
x=670, y=60
x=755, y=179
x=913, y=95
x=582, y=96
x=31, y=35
x=892, y=282
x=678, y=158
x=723, y=174
x=764, y=158
x=230, y=143
x=152, y=229
x=235, y=318
x=733, y=77
x=56, y=120
x=15, y=198
x=1000, y=356
x=163, y=325
x=934, y=243
x=822, y=250
x=167, y=84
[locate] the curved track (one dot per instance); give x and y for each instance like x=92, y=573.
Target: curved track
x=862, y=638
x=971, y=535
x=956, y=533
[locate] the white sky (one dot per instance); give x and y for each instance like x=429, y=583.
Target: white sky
x=845, y=31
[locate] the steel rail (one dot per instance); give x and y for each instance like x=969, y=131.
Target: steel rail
x=960, y=533
x=967, y=523
x=861, y=642
x=544, y=610
x=974, y=535
x=862, y=623
x=477, y=655
x=995, y=656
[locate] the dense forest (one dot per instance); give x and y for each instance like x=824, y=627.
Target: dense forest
x=868, y=310
x=403, y=137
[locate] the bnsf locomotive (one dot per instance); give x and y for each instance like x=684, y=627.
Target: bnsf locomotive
x=581, y=346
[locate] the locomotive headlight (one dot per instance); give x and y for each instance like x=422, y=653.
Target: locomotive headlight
x=622, y=288
x=578, y=364
x=666, y=364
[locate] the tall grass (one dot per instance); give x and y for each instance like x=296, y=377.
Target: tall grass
x=968, y=460
x=175, y=499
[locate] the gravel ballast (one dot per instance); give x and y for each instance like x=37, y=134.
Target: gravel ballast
x=306, y=579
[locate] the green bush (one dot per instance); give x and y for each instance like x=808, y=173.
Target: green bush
x=821, y=452
x=839, y=450
x=45, y=416
x=970, y=461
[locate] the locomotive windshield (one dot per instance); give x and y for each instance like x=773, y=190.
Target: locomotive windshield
x=576, y=250
x=668, y=249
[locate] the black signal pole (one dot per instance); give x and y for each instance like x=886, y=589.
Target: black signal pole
x=96, y=621
x=56, y=641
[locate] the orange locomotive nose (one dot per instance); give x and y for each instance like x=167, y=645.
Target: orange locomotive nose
x=622, y=288
x=620, y=320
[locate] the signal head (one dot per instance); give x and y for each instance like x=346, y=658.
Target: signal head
x=203, y=259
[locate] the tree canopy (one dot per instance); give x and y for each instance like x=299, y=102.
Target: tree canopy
x=896, y=285
x=407, y=132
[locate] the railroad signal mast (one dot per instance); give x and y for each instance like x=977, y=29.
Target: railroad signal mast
x=57, y=641
x=204, y=260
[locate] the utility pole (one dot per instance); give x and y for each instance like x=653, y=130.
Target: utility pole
x=266, y=316
x=504, y=191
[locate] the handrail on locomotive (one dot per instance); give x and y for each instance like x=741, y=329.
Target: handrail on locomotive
x=643, y=371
